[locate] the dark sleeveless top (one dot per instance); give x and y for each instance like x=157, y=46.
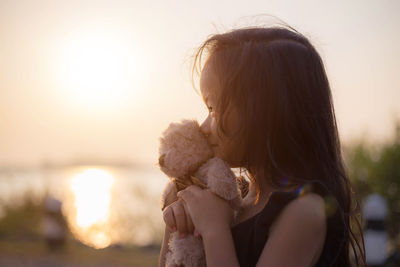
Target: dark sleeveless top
x=251, y=235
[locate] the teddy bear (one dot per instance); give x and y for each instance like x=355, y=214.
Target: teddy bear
x=186, y=158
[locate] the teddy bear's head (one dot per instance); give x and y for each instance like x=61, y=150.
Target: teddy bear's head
x=183, y=149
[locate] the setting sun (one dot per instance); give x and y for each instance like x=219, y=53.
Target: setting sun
x=98, y=70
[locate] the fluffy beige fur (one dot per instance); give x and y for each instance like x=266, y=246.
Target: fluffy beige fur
x=186, y=158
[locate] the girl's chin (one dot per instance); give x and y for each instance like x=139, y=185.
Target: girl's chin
x=215, y=150
x=221, y=156
x=217, y=154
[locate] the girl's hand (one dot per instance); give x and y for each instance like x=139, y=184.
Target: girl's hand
x=208, y=211
x=177, y=219
x=168, y=195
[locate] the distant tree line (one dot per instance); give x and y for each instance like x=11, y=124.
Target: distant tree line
x=376, y=169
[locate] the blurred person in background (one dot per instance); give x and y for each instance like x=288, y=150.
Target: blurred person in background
x=53, y=225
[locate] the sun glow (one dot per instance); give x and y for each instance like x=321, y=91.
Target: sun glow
x=99, y=70
x=92, y=190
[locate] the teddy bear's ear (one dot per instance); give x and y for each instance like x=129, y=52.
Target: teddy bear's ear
x=161, y=160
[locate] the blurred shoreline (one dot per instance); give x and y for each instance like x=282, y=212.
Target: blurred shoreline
x=125, y=209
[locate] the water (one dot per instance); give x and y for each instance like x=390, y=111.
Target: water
x=103, y=205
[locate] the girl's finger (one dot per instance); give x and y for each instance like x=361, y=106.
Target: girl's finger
x=194, y=189
x=169, y=218
x=189, y=192
x=180, y=217
x=189, y=222
x=182, y=194
x=185, y=196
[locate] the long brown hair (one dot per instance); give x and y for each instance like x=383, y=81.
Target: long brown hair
x=277, y=80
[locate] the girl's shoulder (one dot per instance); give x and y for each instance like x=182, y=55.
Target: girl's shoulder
x=309, y=209
x=307, y=200
x=305, y=212
x=292, y=217
x=299, y=229
x=306, y=204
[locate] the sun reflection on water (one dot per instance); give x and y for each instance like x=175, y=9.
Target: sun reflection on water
x=92, y=196
x=106, y=205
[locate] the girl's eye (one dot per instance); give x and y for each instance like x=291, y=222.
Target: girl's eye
x=211, y=111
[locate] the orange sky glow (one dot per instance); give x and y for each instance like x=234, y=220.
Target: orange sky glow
x=102, y=79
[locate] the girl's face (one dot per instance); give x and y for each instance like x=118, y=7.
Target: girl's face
x=228, y=149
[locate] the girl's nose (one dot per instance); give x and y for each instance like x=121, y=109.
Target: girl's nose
x=205, y=126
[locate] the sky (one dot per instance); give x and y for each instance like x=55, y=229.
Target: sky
x=103, y=79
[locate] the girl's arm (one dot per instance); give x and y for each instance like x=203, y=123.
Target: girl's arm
x=164, y=248
x=219, y=248
x=298, y=234
x=295, y=239
x=168, y=197
x=213, y=242
x=212, y=217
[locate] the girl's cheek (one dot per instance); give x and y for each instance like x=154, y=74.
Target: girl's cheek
x=233, y=120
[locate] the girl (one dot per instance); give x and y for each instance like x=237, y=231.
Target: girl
x=271, y=113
